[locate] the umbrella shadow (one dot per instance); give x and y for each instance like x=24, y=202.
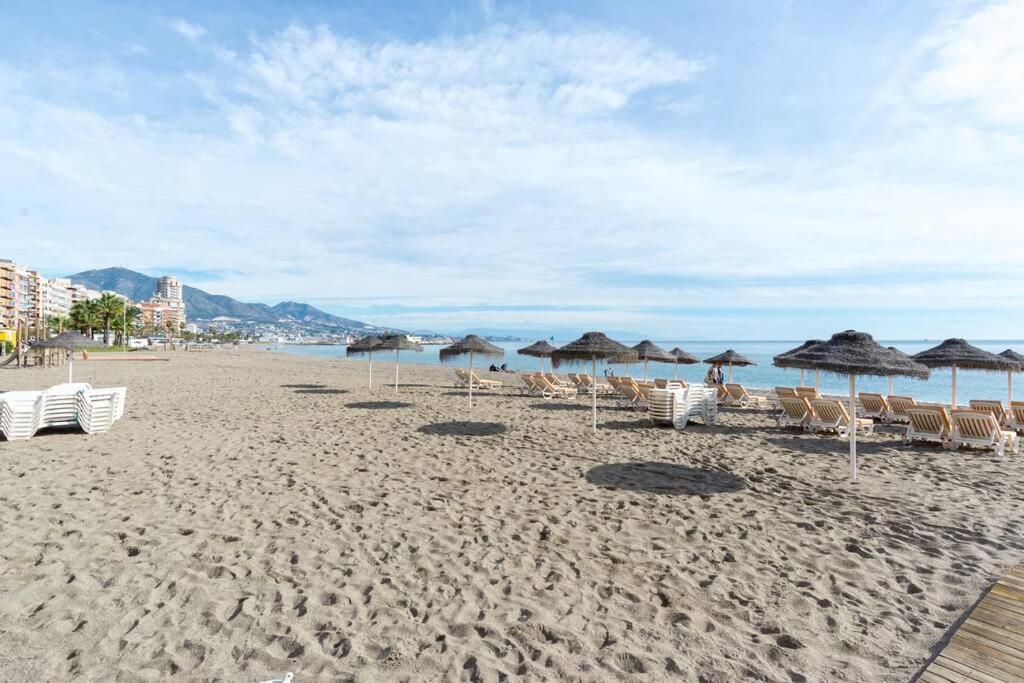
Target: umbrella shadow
x=463, y=429
x=378, y=405
x=642, y=423
x=302, y=386
x=664, y=478
x=320, y=390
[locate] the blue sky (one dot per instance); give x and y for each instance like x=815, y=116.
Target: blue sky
x=683, y=170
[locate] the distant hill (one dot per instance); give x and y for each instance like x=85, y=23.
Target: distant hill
x=200, y=305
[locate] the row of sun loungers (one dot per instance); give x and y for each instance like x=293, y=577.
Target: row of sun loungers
x=23, y=413
x=464, y=378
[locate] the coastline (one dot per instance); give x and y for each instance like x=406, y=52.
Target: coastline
x=258, y=512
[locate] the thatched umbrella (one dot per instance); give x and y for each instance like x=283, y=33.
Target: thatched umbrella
x=472, y=345
x=1019, y=360
x=648, y=351
x=366, y=345
x=71, y=341
x=540, y=349
x=396, y=343
x=779, y=361
x=855, y=353
x=682, y=358
x=957, y=353
x=593, y=346
x=732, y=358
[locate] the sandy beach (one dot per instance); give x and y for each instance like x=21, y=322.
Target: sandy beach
x=256, y=513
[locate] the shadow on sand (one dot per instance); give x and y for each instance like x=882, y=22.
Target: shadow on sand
x=664, y=478
x=379, y=405
x=463, y=429
x=560, y=406
x=321, y=391
x=302, y=386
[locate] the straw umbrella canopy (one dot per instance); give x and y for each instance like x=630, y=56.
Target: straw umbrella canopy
x=1019, y=360
x=780, y=362
x=472, y=345
x=957, y=353
x=366, y=345
x=593, y=346
x=396, y=343
x=856, y=353
x=71, y=341
x=732, y=358
x=649, y=351
x=539, y=349
x=682, y=358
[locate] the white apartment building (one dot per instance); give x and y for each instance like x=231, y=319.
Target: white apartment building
x=56, y=296
x=169, y=288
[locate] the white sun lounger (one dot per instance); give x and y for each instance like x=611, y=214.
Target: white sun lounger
x=20, y=414
x=994, y=407
x=98, y=409
x=796, y=412
x=828, y=414
x=979, y=428
x=928, y=423
x=59, y=406
x=874, y=406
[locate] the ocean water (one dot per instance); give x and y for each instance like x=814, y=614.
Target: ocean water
x=970, y=383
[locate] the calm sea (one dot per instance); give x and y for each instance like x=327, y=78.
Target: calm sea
x=970, y=384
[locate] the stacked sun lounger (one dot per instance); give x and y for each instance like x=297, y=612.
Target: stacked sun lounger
x=23, y=413
x=677, y=405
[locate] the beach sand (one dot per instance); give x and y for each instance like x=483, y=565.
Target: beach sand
x=256, y=513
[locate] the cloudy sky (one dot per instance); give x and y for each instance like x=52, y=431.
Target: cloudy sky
x=750, y=170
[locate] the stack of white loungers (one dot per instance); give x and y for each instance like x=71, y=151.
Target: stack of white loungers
x=676, y=405
x=23, y=413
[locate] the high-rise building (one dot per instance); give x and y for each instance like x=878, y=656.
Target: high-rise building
x=56, y=297
x=8, y=295
x=29, y=296
x=169, y=288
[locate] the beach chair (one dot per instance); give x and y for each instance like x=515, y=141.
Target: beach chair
x=786, y=392
x=479, y=383
x=20, y=414
x=928, y=423
x=898, y=407
x=529, y=386
x=807, y=392
x=874, y=406
x=1015, y=417
x=979, y=428
x=556, y=380
x=98, y=409
x=59, y=405
x=461, y=378
x=796, y=412
x=994, y=407
x=737, y=395
x=830, y=415
x=549, y=390
x=661, y=405
x=631, y=394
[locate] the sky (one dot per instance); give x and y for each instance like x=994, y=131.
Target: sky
x=685, y=170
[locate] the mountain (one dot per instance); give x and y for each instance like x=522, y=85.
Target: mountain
x=200, y=305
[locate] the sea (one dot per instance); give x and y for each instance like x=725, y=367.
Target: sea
x=970, y=383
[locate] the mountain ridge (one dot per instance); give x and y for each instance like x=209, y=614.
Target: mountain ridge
x=201, y=305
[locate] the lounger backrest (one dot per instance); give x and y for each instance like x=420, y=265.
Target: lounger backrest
x=1017, y=408
x=795, y=408
x=786, y=392
x=830, y=411
x=873, y=403
x=901, y=404
x=737, y=391
x=975, y=424
x=929, y=420
x=806, y=392
x=994, y=407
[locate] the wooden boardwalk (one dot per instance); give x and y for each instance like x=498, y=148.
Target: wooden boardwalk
x=989, y=646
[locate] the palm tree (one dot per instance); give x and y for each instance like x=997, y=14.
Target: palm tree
x=128, y=321
x=109, y=307
x=59, y=323
x=84, y=317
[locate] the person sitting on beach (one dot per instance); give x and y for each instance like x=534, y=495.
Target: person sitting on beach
x=493, y=368
x=504, y=367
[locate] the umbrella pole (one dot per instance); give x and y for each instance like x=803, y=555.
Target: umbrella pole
x=890, y=385
x=802, y=371
x=593, y=391
x=645, y=369
x=369, y=364
x=676, y=373
x=471, y=380
x=952, y=402
x=817, y=382
x=730, y=372
x=396, y=372
x=71, y=365
x=853, y=427
x=1009, y=389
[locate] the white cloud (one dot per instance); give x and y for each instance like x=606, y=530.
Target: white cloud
x=188, y=30
x=979, y=61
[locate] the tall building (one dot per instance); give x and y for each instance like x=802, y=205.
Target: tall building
x=56, y=297
x=29, y=296
x=169, y=288
x=80, y=292
x=8, y=295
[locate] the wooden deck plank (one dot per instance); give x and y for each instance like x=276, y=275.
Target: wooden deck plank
x=988, y=647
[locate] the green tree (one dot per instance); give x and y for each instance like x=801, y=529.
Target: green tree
x=84, y=317
x=130, y=320
x=109, y=308
x=59, y=323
